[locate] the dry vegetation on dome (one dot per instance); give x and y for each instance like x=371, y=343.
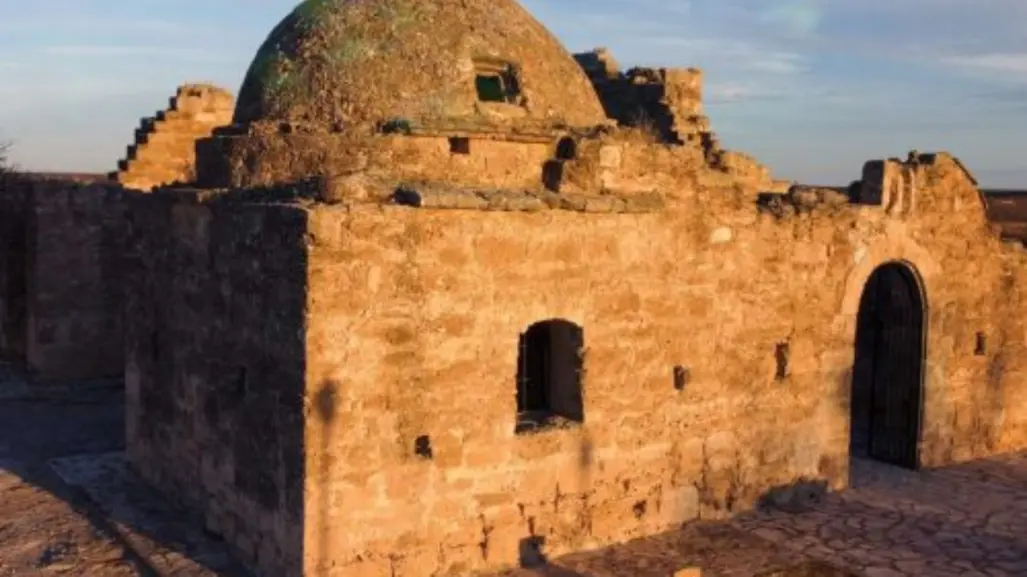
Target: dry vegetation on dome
x=347, y=63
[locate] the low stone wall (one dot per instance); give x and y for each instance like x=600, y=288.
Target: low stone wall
x=73, y=248
x=14, y=194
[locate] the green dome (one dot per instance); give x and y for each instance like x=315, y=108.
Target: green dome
x=343, y=64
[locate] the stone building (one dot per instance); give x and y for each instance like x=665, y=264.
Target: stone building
x=444, y=298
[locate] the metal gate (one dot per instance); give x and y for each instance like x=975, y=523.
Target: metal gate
x=890, y=348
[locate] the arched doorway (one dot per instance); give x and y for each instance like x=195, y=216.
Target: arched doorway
x=887, y=376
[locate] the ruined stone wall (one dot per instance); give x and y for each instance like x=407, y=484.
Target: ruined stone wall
x=214, y=368
x=74, y=240
x=413, y=325
x=13, y=221
x=668, y=103
x=164, y=150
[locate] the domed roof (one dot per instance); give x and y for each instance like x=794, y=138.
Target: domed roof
x=348, y=63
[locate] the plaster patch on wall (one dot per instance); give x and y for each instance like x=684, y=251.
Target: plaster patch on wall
x=721, y=235
x=860, y=255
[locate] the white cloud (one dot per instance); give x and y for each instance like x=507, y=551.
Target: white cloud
x=730, y=54
x=101, y=25
x=1009, y=63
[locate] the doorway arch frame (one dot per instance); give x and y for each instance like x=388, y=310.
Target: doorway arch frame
x=922, y=268
x=913, y=438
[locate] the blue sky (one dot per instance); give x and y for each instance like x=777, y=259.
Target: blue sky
x=810, y=87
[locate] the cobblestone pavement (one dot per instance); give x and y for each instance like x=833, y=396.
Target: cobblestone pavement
x=959, y=521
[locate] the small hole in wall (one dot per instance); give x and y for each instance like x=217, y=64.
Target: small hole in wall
x=239, y=386
x=566, y=149
x=459, y=145
x=981, y=345
x=639, y=509
x=552, y=175
x=532, y=552
x=781, y=352
x=681, y=377
x=422, y=447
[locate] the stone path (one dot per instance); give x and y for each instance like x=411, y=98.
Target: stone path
x=960, y=521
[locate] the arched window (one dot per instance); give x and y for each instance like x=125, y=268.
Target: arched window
x=549, y=375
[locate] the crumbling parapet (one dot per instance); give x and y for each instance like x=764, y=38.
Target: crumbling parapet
x=890, y=184
x=164, y=150
x=668, y=103
x=894, y=184
x=666, y=100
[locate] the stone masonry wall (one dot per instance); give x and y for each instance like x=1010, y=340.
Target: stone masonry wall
x=72, y=262
x=359, y=418
x=164, y=150
x=413, y=323
x=13, y=221
x=214, y=368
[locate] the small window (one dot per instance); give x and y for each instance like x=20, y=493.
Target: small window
x=549, y=374
x=781, y=354
x=496, y=81
x=459, y=145
x=566, y=149
x=490, y=88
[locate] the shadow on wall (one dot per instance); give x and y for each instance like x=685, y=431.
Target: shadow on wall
x=56, y=421
x=326, y=404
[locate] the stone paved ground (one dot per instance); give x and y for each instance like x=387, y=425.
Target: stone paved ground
x=966, y=520
x=51, y=522
x=68, y=506
x=719, y=549
x=46, y=527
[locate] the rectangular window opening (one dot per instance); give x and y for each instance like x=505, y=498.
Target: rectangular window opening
x=460, y=145
x=496, y=81
x=490, y=88
x=981, y=345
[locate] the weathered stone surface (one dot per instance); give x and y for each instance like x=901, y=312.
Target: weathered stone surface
x=214, y=336
x=352, y=65
x=60, y=277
